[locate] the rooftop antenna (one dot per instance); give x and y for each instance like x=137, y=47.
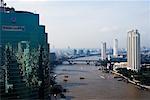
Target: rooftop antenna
x=2, y=3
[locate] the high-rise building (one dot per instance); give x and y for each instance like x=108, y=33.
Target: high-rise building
x=103, y=51
x=74, y=52
x=133, y=50
x=24, y=55
x=115, y=48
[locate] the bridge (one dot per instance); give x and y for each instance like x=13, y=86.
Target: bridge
x=87, y=61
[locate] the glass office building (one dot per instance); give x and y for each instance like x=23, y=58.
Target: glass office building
x=24, y=56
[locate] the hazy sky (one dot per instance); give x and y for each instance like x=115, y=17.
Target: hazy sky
x=86, y=23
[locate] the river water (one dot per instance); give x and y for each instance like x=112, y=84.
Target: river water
x=96, y=85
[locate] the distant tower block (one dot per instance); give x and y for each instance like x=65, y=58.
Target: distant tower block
x=103, y=51
x=115, y=48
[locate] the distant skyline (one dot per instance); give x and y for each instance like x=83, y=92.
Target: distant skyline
x=86, y=23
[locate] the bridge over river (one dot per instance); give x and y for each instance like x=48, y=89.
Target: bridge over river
x=84, y=60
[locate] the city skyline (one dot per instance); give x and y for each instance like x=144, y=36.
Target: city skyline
x=84, y=24
x=93, y=48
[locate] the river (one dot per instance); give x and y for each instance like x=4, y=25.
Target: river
x=96, y=85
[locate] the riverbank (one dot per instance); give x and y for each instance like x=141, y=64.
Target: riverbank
x=132, y=81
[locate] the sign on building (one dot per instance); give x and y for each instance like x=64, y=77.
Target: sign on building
x=12, y=28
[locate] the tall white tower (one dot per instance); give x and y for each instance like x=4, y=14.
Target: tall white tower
x=115, y=48
x=103, y=50
x=133, y=50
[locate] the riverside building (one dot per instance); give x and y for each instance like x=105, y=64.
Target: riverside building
x=103, y=51
x=115, y=48
x=133, y=50
x=24, y=55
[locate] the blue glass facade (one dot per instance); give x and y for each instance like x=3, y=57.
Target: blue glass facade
x=24, y=52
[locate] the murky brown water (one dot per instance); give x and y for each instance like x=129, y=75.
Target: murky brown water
x=96, y=85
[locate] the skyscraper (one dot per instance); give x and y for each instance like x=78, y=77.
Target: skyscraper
x=133, y=50
x=24, y=55
x=103, y=50
x=115, y=48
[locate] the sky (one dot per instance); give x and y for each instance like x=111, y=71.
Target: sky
x=87, y=23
